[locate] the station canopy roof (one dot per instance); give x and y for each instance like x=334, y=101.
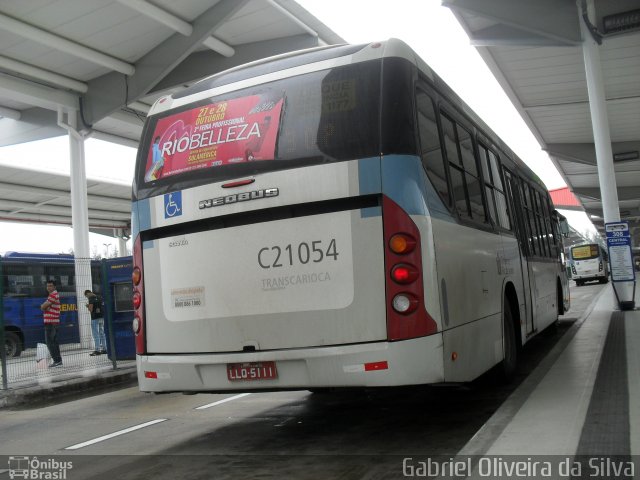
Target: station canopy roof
x=534, y=50
x=111, y=59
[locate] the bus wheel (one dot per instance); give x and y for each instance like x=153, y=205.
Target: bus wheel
x=12, y=344
x=510, y=346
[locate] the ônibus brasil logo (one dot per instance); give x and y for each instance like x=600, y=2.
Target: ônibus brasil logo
x=34, y=468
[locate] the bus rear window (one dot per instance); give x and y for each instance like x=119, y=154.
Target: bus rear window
x=585, y=252
x=326, y=116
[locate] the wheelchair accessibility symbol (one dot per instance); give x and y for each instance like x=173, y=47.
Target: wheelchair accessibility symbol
x=173, y=204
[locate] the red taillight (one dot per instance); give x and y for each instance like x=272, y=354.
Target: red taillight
x=406, y=313
x=404, y=274
x=138, y=297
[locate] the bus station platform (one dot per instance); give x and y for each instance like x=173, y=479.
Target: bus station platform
x=583, y=399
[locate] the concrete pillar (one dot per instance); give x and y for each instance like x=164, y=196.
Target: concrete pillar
x=601, y=131
x=80, y=224
x=122, y=243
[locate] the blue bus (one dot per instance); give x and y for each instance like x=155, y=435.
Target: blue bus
x=24, y=277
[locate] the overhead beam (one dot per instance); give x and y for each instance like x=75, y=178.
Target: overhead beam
x=585, y=153
x=122, y=203
x=203, y=64
x=64, y=45
x=42, y=74
x=12, y=206
x=31, y=93
x=35, y=124
x=6, y=112
x=624, y=193
x=60, y=220
x=506, y=35
x=175, y=23
x=105, y=93
x=556, y=20
x=109, y=137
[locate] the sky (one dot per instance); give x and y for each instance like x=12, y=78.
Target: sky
x=430, y=29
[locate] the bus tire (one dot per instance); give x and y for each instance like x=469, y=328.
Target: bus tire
x=560, y=300
x=509, y=345
x=12, y=344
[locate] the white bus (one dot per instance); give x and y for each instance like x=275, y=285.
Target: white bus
x=335, y=217
x=589, y=261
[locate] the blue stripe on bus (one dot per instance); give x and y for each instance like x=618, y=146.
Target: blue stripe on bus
x=141, y=217
x=369, y=175
x=406, y=183
x=403, y=182
x=148, y=244
x=370, y=182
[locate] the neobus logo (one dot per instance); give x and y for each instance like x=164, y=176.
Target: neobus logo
x=239, y=197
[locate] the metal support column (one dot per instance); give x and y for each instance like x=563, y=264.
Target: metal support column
x=600, y=122
x=80, y=224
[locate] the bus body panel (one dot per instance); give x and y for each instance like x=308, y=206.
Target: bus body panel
x=545, y=293
x=313, y=280
x=411, y=362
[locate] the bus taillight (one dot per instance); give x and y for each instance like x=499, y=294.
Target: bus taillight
x=403, y=274
x=138, y=298
x=136, y=276
x=406, y=313
x=405, y=303
x=401, y=243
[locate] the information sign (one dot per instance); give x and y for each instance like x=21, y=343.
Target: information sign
x=620, y=255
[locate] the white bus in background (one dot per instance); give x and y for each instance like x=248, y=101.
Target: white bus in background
x=335, y=217
x=589, y=262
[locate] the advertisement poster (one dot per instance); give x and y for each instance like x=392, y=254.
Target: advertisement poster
x=232, y=131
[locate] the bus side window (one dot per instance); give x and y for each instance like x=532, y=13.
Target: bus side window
x=472, y=177
x=465, y=182
x=499, y=191
x=488, y=183
x=430, y=149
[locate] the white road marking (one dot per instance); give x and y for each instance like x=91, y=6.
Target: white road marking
x=235, y=397
x=115, y=434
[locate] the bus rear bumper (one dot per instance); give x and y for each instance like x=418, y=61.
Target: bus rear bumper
x=408, y=362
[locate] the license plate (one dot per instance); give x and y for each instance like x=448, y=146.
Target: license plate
x=251, y=371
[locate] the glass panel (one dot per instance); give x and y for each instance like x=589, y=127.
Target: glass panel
x=459, y=194
x=503, y=213
x=475, y=198
x=483, y=162
x=490, y=203
x=495, y=173
x=450, y=144
x=318, y=117
x=466, y=149
x=432, y=158
x=123, y=296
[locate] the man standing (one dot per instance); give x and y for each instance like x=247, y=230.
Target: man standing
x=97, y=323
x=51, y=309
